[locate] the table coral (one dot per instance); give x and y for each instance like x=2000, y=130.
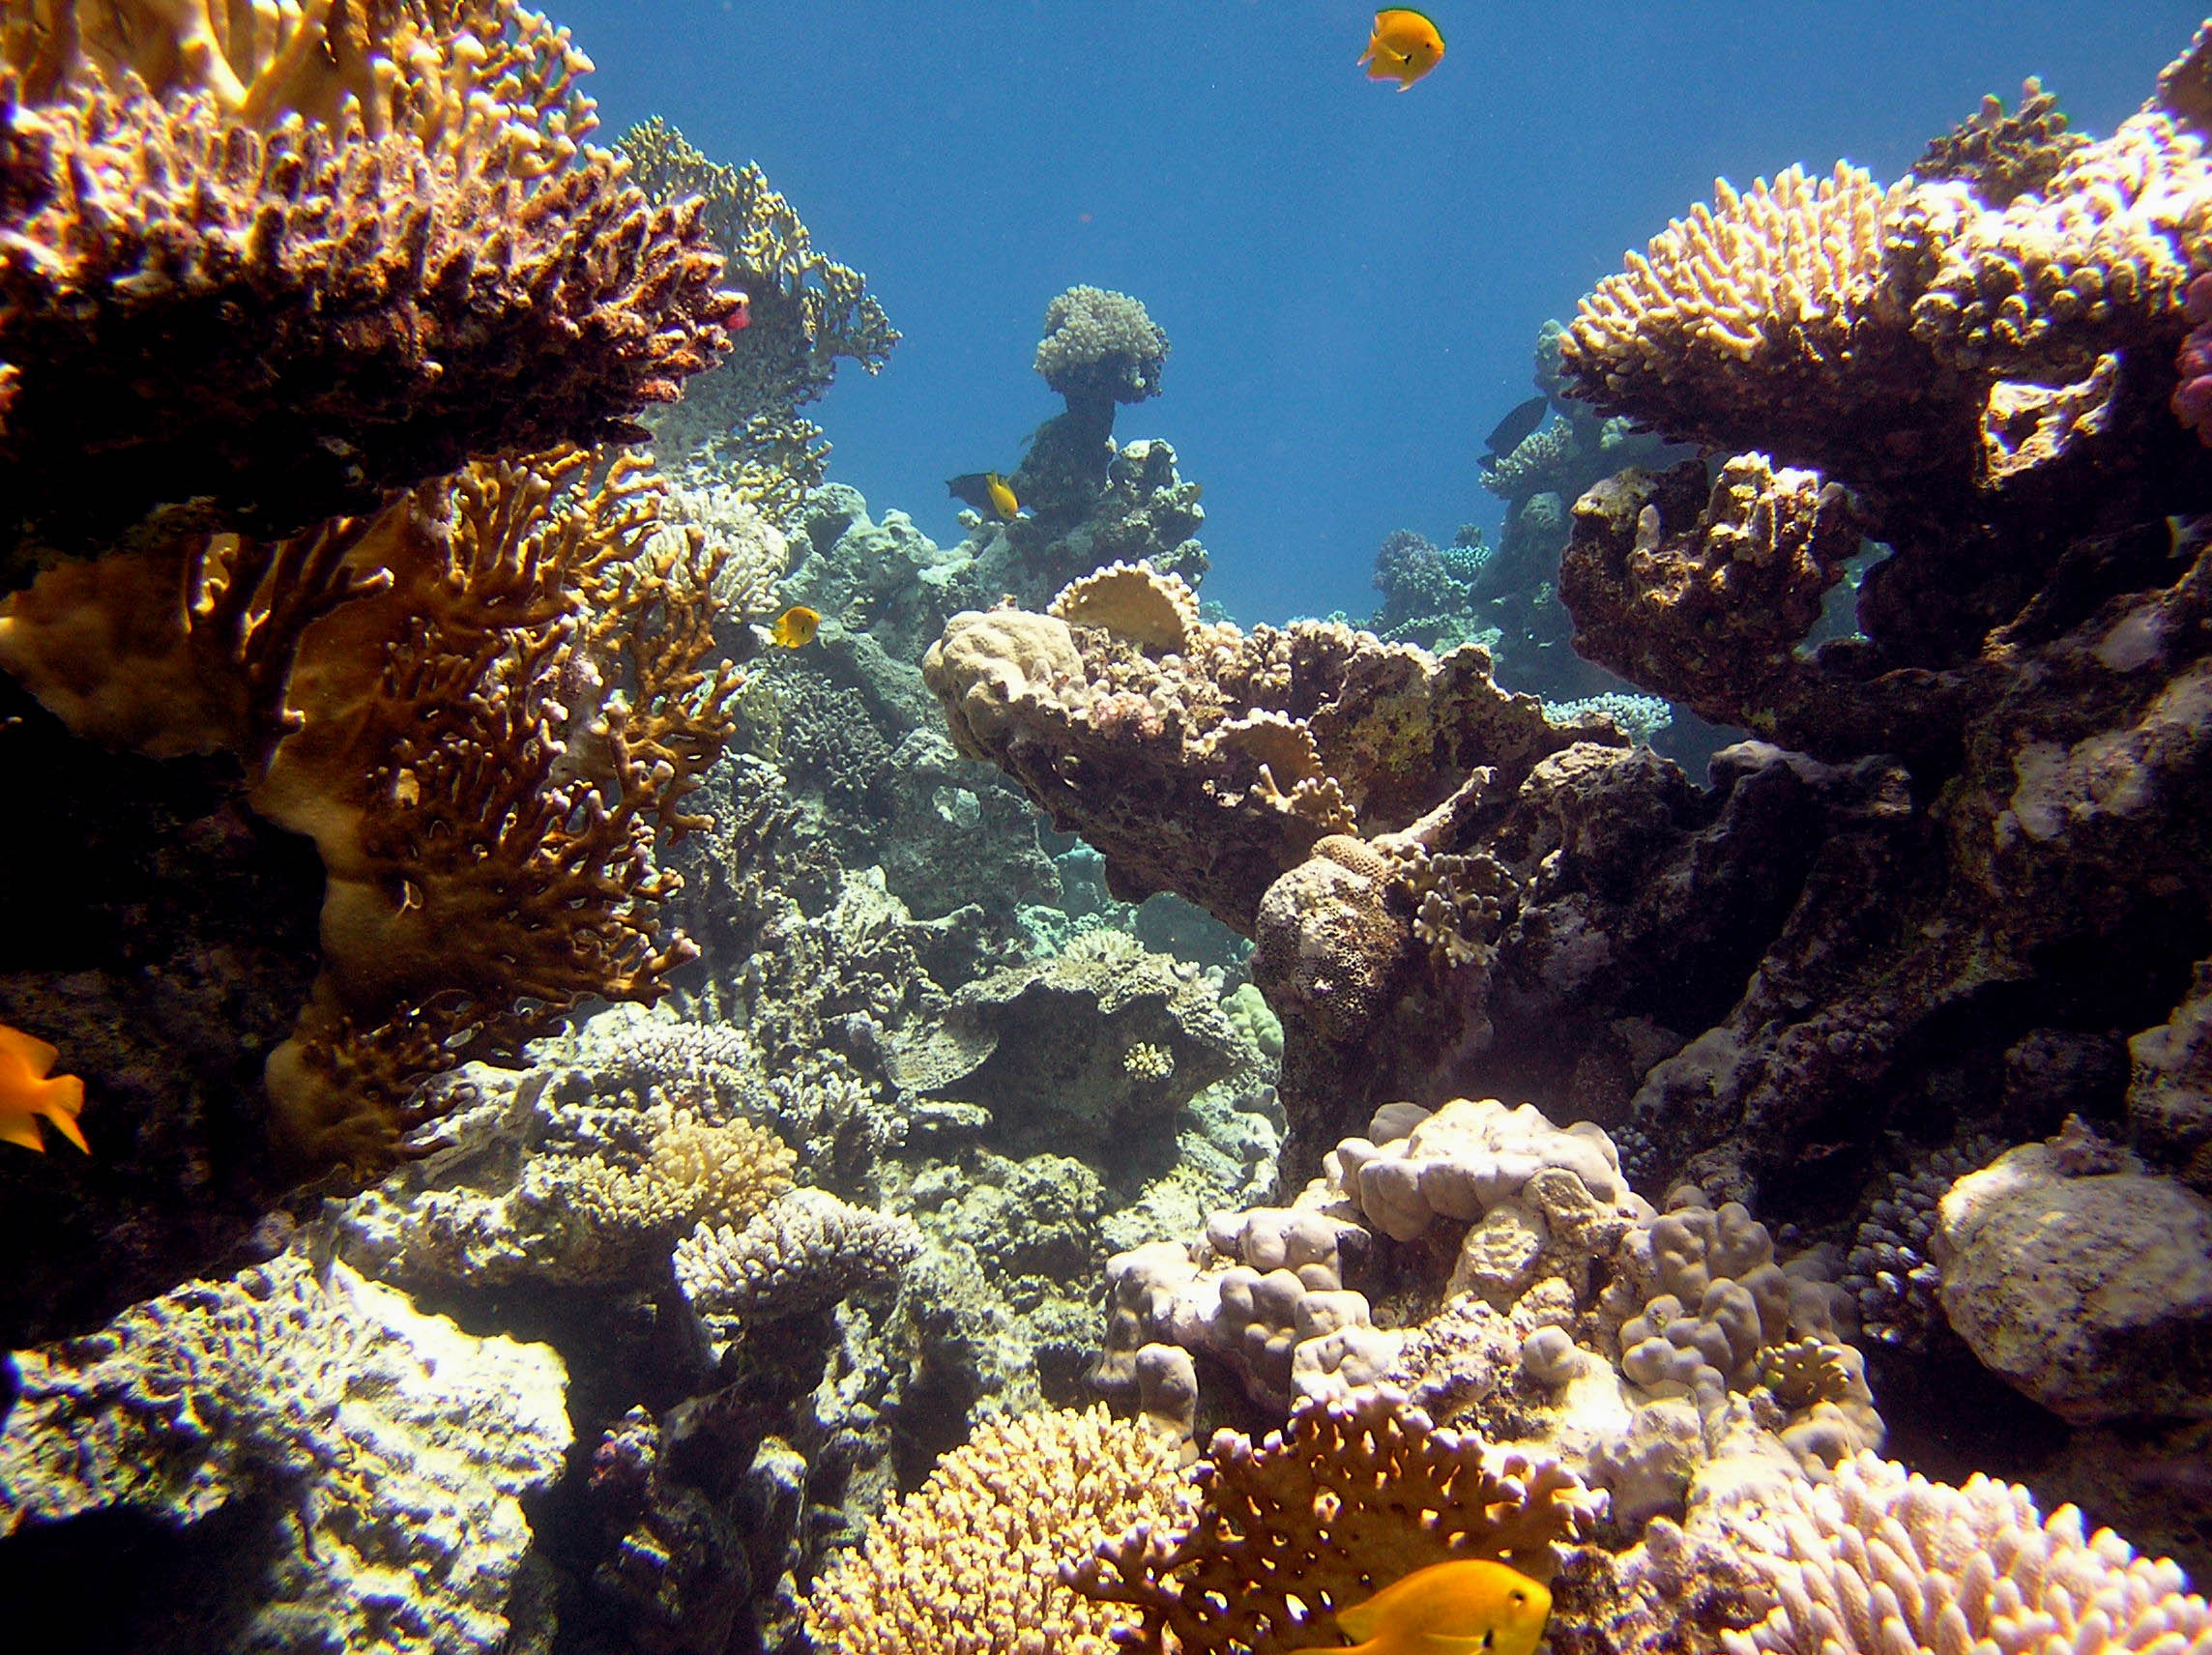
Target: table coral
x=180, y=263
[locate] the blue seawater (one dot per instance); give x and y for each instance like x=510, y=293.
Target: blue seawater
x=1353, y=278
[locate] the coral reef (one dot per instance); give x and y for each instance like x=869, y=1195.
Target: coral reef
x=1346, y=1498
x=1882, y=1559
x=247, y=295
x=389, y=1451
x=971, y=1560
x=2083, y=1280
x=806, y=312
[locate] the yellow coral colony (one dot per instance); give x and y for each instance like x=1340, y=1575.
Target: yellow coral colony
x=27, y=1092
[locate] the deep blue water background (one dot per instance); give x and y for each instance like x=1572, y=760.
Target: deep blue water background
x=1353, y=278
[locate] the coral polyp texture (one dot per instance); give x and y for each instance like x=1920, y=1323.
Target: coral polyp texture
x=1347, y=1497
x=971, y=1560
x=1880, y=1559
x=266, y=303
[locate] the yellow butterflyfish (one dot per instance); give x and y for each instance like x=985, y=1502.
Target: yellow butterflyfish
x=1002, y=500
x=27, y=1092
x=1404, y=46
x=795, y=628
x=1468, y=1606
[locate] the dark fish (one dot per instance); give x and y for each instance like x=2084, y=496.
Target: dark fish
x=1516, y=426
x=971, y=489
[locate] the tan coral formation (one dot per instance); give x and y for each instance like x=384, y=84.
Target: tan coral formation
x=1347, y=1497
x=486, y=707
x=279, y=299
x=970, y=1560
x=806, y=313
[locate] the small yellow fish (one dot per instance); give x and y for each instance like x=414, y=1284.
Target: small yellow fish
x=27, y=1092
x=1468, y=1606
x=795, y=628
x=1404, y=46
x=1002, y=500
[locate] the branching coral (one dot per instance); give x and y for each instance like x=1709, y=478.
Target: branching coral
x=284, y=320
x=805, y=1251
x=490, y=750
x=1100, y=347
x=807, y=314
x=970, y=1561
x=1882, y=1560
x=484, y=705
x=1347, y=1497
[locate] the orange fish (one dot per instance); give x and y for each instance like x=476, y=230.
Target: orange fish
x=26, y=1092
x=795, y=628
x=1468, y=1606
x=1404, y=46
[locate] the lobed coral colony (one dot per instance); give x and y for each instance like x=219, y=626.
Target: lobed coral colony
x=1016, y=1114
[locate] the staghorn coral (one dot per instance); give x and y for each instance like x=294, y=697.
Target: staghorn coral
x=1882, y=1559
x=970, y=1561
x=807, y=312
x=279, y=327
x=1344, y=1499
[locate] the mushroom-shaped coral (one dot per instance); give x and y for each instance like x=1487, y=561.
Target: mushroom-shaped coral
x=1100, y=346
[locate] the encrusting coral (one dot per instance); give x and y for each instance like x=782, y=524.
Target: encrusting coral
x=380, y=1455
x=264, y=287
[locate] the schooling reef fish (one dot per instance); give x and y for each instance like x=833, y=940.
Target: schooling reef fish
x=1404, y=46
x=1469, y=1605
x=795, y=628
x=1509, y=432
x=26, y=1092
